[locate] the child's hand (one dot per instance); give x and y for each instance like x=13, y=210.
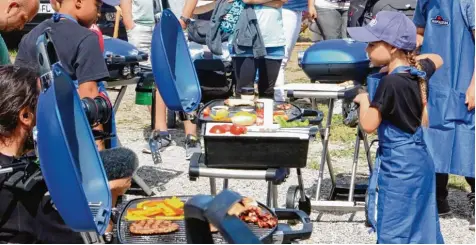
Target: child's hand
x=361, y=97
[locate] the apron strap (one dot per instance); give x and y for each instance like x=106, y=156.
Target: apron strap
x=411, y=70
x=58, y=16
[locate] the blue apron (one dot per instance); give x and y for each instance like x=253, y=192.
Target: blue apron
x=450, y=135
x=401, y=194
x=101, y=87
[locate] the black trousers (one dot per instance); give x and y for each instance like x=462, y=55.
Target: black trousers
x=245, y=73
x=442, y=185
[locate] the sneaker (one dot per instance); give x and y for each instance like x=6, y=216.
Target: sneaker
x=443, y=207
x=192, y=145
x=471, y=202
x=163, y=140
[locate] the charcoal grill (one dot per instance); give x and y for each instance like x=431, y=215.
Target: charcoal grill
x=273, y=170
x=279, y=234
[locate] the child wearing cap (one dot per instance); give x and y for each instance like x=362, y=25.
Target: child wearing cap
x=402, y=185
x=77, y=47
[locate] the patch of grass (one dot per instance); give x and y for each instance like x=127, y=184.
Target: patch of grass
x=458, y=182
x=341, y=133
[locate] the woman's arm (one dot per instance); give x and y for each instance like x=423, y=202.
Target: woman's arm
x=436, y=59
x=126, y=7
x=420, y=34
x=274, y=4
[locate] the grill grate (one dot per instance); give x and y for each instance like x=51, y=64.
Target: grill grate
x=178, y=237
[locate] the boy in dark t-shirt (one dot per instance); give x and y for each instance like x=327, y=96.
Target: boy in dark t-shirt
x=77, y=47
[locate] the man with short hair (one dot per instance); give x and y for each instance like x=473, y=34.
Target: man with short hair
x=15, y=14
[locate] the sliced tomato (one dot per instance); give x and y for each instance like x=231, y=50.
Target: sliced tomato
x=237, y=130
x=206, y=112
x=227, y=127
x=217, y=129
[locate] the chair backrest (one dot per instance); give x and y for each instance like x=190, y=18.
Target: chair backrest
x=172, y=65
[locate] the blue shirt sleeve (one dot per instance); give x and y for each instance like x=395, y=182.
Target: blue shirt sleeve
x=419, y=17
x=467, y=9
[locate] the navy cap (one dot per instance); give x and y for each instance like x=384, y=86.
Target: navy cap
x=112, y=2
x=394, y=28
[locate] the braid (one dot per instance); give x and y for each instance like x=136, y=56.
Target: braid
x=423, y=87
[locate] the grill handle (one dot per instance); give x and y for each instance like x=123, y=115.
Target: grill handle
x=318, y=116
x=293, y=214
x=197, y=227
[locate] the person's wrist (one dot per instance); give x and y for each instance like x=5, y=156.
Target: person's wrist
x=184, y=21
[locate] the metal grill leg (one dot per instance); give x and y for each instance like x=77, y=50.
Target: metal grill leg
x=354, y=166
x=275, y=195
x=225, y=184
x=269, y=197
x=325, y=143
x=213, y=186
x=119, y=97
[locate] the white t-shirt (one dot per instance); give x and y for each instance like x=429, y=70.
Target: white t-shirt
x=332, y=4
x=270, y=22
x=177, y=6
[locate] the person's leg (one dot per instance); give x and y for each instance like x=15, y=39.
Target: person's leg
x=192, y=143
x=141, y=37
x=329, y=23
x=268, y=73
x=442, y=193
x=344, y=18
x=292, y=27
x=471, y=202
x=245, y=72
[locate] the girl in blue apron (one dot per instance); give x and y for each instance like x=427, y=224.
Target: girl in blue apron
x=401, y=204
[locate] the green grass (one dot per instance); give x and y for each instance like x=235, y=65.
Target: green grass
x=458, y=182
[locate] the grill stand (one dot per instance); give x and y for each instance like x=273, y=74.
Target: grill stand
x=111, y=86
x=332, y=204
x=274, y=177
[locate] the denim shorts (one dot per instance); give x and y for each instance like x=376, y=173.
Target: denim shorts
x=273, y=53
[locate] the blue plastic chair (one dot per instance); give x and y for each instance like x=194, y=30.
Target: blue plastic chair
x=172, y=66
x=69, y=160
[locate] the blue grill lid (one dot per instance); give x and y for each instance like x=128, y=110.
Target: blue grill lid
x=172, y=66
x=338, y=51
x=69, y=160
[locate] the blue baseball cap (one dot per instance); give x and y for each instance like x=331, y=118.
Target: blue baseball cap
x=112, y=2
x=394, y=28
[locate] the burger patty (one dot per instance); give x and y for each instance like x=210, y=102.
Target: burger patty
x=152, y=227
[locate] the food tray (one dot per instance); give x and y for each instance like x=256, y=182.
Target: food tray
x=293, y=113
x=178, y=237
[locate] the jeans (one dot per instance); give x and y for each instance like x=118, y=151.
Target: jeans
x=332, y=23
x=292, y=27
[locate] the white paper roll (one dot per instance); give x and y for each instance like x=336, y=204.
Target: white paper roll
x=268, y=111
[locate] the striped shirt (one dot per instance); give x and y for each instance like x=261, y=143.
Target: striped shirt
x=296, y=5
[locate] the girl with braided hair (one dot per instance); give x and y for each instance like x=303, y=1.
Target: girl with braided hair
x=401, y=202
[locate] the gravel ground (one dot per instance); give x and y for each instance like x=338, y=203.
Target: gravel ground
x=171, y=178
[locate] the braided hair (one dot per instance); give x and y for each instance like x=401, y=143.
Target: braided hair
x=423, y=87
